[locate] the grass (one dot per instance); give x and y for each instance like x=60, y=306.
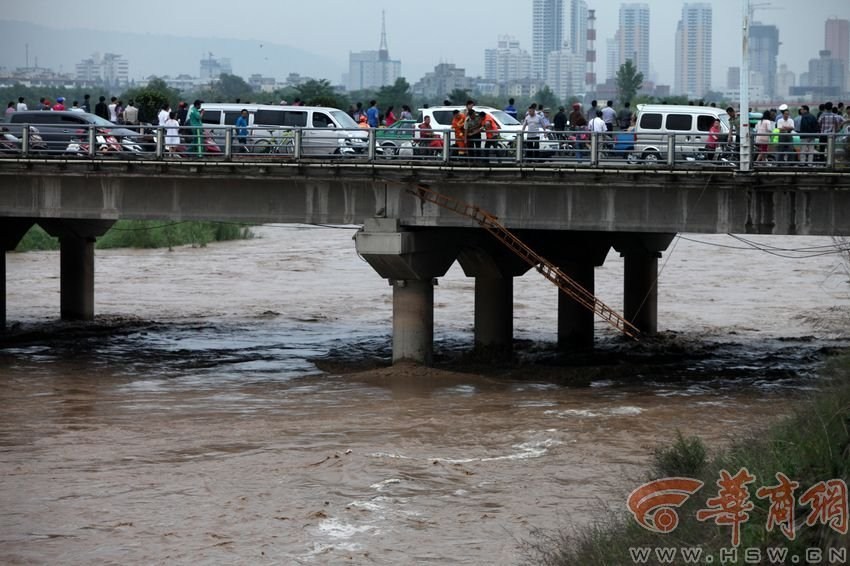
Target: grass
x=146, y=234
x=810, y=446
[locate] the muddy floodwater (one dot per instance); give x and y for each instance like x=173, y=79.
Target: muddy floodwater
x=232, y=404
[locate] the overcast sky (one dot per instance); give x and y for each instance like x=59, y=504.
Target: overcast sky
x=421, y=34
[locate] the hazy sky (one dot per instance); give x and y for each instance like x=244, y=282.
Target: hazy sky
x=421, y=34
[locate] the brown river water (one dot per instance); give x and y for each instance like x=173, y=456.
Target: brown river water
x=192, y=424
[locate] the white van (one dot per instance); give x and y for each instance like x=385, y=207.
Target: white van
x=327, y=131
x=690, y=124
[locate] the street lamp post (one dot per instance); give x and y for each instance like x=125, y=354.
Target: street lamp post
x=744, y=113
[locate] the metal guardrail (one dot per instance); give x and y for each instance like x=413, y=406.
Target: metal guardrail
x=439, y=147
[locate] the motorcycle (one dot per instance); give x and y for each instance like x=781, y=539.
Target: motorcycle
x=12, y=145
x=105, y=144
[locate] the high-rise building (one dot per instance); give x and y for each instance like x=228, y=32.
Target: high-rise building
x=578, y=27
x=565, y=73
x=110, y=69
x=785, y=81
x=837, y=42
x=548, y=32
x=612, y=56
x=826, y=73
x=212, y=68
x=733, y=78
x=634, y=36
x=693, y=50
x=507, y=62
x=373, y=69
x=764, y=49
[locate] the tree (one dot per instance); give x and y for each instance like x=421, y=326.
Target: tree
x=546, y=98
x=396, y=95
x=629, y=81
x=459, y=96
x=151, y=98
x=320, y=93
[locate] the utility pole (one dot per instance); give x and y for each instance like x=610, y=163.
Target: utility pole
x=744, y=113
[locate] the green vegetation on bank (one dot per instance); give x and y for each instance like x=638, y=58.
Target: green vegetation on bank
x=811, y=446
x=147, y=234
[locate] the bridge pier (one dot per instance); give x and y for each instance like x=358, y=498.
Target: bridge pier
x=575, y=322
x=76, y=264
x=11, y=232
x=411, y=261
x=494, y=267
x=413, y=320
x=640, y=278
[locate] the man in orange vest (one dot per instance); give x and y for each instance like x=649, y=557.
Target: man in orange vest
x=491, y=130
x=458, y=127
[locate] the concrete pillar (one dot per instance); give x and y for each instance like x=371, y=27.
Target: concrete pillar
x=640, y=300
x=494, y=313
x=413, y=320
x=11, y=232
x=575, y=322
x=76, y=286
x=3, y=290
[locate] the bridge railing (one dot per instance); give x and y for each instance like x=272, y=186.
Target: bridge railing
x=388, y=145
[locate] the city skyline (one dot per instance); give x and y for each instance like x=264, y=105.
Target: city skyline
x=800, y=42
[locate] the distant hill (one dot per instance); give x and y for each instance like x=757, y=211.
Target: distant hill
x=154, y=54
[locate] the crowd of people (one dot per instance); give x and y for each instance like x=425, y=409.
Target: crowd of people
x=776, y=135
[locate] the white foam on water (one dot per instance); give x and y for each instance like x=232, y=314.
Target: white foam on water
x=626, y=411
x=382, y=485
x=339, y=529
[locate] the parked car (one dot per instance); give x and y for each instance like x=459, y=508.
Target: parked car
x=401, y=134
x=60, y=129
x=327, y=131
x=691, y=124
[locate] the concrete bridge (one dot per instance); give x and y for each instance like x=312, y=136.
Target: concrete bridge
x=573, y=216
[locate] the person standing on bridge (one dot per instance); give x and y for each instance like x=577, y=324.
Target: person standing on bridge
x=197, y=129
x=242, y=128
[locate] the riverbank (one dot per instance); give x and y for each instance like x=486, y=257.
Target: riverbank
x=810, y=446
x=146, y=234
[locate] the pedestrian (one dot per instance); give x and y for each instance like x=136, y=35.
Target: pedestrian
x=10, y=108
x=131, y=114
x=60, y=104
x=560, y=121
x=533, y=122
x=162, y=117
x=734, y=125
x=808, y=135
x=406, y=114
x=786, y=140
x=172, y=132
x=119, y=112
x=196, y=123
x=43, y=104
x=358, y=111
x=242, y=128
x=182, y=112
x=391, y=119
x=609, y=115
x=101, y=109
x=510, y=109
x=87, y=103
x=75, y=107
x=373, y=114
x=22, y=105
x=113, y=103
x=429, y=142
x=490, y=129
x=763, y=130
x=473, y=128
x=597, y=125
x=458, y=122
x=713, y=138
x=591, y=112
x=578, y=124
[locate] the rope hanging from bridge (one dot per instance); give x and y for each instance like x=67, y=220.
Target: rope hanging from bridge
x=550, y=271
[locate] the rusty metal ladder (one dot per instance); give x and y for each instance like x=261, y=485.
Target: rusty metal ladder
x=546, y=268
